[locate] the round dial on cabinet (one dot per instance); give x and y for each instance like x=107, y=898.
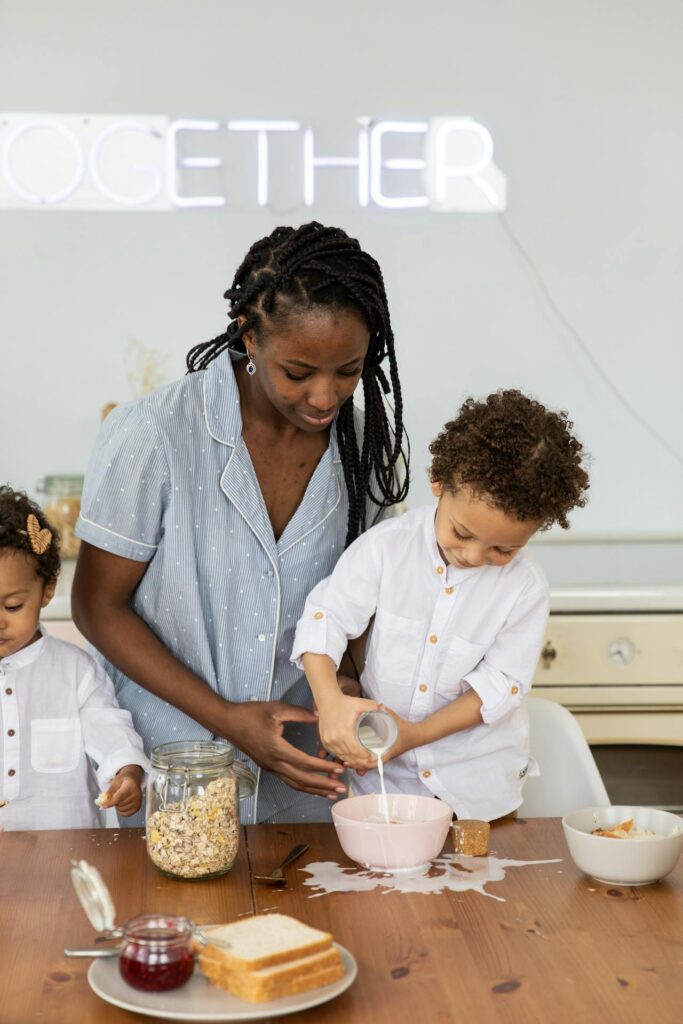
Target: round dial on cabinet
x=621, y=652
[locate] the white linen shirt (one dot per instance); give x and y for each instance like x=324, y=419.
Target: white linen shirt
x=57, y=709
x=437, y=631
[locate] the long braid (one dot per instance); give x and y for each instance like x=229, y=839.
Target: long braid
x=320, y=266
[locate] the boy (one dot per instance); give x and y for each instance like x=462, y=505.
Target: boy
x=458, y=613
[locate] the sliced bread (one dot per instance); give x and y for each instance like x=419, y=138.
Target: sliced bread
x=263, y=940
x=283, y=979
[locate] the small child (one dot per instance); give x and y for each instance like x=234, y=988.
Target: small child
x=57, y=706
x=458, y=614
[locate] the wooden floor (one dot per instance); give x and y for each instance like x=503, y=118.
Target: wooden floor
x=642, y=775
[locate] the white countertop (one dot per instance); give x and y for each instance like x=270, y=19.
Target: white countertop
x=590, y=598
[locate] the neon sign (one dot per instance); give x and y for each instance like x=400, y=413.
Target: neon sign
x=135, y=163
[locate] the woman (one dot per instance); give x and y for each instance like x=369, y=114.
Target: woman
x=214, y=505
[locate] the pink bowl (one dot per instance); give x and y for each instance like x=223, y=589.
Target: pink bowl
x=413, y=843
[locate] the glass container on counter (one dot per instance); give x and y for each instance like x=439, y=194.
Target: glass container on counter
x=156, y=953
x=62, y=507
x=193, y=794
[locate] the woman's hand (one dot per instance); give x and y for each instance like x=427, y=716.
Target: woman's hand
x=124, y=792
x=256, y=728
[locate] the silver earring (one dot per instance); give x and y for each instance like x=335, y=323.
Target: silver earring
x=251, y=369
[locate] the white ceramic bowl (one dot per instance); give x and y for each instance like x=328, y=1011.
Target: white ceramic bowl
x=624, y=861
x=414, y=843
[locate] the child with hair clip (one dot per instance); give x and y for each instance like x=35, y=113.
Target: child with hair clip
x=57, y=706
x=458, y=612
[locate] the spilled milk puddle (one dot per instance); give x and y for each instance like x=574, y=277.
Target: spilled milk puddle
x=451, y=872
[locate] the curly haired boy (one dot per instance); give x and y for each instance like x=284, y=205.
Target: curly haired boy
x=457, y=611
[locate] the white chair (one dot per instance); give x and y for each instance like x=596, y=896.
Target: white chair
x=569, y=778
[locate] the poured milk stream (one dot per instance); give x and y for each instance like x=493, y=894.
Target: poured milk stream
x=371, y=741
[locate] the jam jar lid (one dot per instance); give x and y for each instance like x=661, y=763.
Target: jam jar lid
x=94, y=896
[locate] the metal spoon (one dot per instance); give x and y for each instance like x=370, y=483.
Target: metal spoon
x=276, y=876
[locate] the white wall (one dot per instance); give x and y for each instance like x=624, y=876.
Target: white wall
x=583, y=102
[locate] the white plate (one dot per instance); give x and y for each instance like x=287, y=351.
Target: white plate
x=198, y=1000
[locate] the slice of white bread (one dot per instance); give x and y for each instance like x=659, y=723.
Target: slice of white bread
x=283, y=979
x=263, y=940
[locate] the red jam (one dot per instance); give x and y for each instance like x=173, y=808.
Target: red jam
x=156, y=954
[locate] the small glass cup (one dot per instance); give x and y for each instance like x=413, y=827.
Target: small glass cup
x=156, y=952
x=376, y=731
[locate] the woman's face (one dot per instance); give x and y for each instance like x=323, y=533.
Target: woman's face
x=311, y=365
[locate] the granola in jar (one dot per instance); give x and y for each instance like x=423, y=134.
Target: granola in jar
x=193, y=820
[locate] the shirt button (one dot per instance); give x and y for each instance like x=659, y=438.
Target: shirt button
x=439, y=569
x=11, y=772
x=318, y=615
x=262, y=637
x=426, y=775
x=449, y=590
x=423, y=688
x=8, y=691
x=433, y=639
x=10, y=732
x=515, y=689
x=270, y=573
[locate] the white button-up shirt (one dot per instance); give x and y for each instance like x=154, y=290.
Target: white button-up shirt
x=437, y=631
x=57, y=709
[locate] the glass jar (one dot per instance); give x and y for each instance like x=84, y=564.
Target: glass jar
x=193, y=793
x=62, y=507
x=156, y=953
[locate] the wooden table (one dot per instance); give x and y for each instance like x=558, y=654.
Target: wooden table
x=560, y=948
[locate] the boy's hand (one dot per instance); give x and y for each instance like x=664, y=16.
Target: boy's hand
x=408, y=736
x=124, y=791
x=337, y=726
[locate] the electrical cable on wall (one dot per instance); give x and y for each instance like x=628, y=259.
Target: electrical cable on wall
x=571, y=330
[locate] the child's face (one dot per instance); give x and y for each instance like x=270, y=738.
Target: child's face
x=471, y=533
x=22, y=595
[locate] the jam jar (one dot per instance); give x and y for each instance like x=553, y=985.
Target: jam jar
x=156, y=952
x=193, y=794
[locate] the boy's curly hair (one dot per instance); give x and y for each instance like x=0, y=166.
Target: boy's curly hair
x=15, y=508
x=517, y=455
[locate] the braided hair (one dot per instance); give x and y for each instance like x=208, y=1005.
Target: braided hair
x=313, y=266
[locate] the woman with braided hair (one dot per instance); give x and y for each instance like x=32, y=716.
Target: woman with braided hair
x=213, y=506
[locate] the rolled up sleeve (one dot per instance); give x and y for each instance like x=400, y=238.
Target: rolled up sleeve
x=503, y=677
x=341, y=606
x=126, y=485
x=108, y=734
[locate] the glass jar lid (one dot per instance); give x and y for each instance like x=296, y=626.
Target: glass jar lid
x=61, y=485
x=192, y=756
x=94, y=896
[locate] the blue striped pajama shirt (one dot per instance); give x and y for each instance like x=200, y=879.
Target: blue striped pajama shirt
x=171, y=483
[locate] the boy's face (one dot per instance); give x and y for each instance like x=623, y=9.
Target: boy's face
x=22, y=595
x=471, y=533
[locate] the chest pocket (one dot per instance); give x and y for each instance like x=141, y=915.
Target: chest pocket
x=55, y=744
x=394, y=649
x=461, y=657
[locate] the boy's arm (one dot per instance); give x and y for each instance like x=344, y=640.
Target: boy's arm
x=503, y=676
x=337, y=611
x=462, y=713
x=337, y=712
